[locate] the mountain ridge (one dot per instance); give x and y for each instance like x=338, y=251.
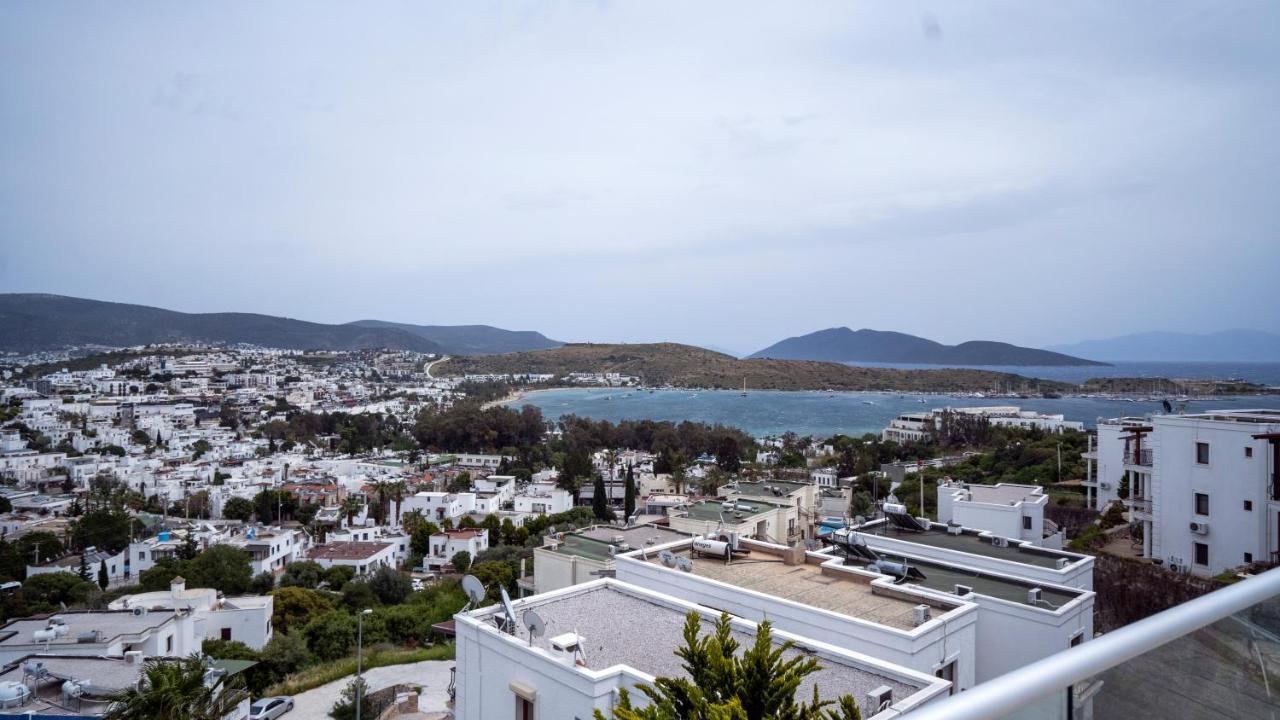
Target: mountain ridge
x=1235, y=345
x=32, y=322
x=471, y=339
x=840, y=344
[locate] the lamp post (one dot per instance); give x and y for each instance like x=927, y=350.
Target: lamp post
x=360, y=658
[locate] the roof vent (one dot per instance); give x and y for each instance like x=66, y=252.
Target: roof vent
x=879, y=700
x=962, y=590
x=568, y=642
x=1033, y=596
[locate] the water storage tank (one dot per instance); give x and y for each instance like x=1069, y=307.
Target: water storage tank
x=13, y=694
x=46, y=635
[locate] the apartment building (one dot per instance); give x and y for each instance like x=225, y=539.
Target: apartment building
x=1005, y=509
x=601, y=637
x=244, y=619
x=442, y=546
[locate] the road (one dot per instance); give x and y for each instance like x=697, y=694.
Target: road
x=433, y=363
x=431, y=675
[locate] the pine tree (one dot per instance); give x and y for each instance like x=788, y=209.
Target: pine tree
x=629, y=498
x=600, y=501
x=758, y=685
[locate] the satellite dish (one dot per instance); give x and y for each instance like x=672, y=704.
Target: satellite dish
x=684, y=564
x=474, y=589
x=508, y=612
x=534, y=623
x=668, y=558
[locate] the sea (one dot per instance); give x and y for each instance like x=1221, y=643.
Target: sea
x=823, y=414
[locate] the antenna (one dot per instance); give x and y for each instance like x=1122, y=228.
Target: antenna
x=534, y=623
x=668, y=558
x=475, y=591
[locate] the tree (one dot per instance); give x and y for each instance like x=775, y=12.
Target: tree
x=339, y=575
x=303, y=573
x=331, y=635
x=460, y=561
x=390, y=585
x=104, y=529
x=223, y=567
x=176, y=690
x=285, y=653
x=352, y=507
x=293, y=607
x=103, y=579
x=860, y=504
x=629, y=495
x=238, y=508
x=357, y=595
x=36, y=547
x=56, y=587
x=728, y=454
x=757, y=685
x=262, y=583
x=257, y=677
x=356, y=691
x=600, y=500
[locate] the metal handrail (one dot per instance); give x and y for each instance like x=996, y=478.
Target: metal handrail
x=1019, y=688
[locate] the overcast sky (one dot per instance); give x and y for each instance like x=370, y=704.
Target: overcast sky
x=722, y=174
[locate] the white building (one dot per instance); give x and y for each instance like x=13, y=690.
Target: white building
x=1104, y=466
x=244, y=619
x=908, y=427
x=542, y=499
x=155, y=634
x=447, y=543
x=590, y=650
x=1204, y=487
x=363, y=557
x=588, y=554
x=919, y=426
x=1004, y=509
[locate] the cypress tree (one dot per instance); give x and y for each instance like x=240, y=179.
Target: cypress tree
x=599, y=502
x=629, y=499
x=103, y=580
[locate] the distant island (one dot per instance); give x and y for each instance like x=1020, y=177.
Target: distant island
x=1224, y=346
x=845, y=346
x=658, y=364
x=38, y=322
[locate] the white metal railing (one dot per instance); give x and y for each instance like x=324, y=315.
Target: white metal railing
x=1026, y=685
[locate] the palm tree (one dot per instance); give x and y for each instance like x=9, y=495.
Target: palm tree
x=411, y=521
x=398, y=489
x=352, y=507
x=176, y=690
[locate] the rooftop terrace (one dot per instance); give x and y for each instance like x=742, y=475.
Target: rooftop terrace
x=971, y=542
x=712, y=510
x=806, y=584
x=629, y=628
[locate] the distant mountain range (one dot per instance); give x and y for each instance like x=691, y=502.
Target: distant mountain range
x=34, y=322
x=845, y=345
x=1224, y=346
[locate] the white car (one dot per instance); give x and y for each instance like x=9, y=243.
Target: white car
x=270, y=708
x=417, y=585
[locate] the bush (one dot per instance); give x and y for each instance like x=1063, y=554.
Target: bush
x=331, y=635
x=345, y=708
x=357, y=595
x=390, y=585
x=461, y=560
x=324, y=673
x=57, y=587
x=293, y=607
x=284, y=654
x=262, y=583
x=303, y=573
x=339, y=575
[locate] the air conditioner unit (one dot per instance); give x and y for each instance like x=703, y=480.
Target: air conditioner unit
x=921, y=614
x=1199, y=528
x=1034, y=595
x=1104, y=485
x=998, y=541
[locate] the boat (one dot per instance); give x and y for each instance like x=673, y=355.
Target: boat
x=868, y=402
x=744, y=388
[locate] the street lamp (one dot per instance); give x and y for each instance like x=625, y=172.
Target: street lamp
x=360, y=658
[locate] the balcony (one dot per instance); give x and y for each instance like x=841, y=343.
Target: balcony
x=1139, y=506
x=1141, y=458
x=1215, y=656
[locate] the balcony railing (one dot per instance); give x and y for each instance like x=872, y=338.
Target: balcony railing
x=1216, y=655
x=1142, y=457
x=1142, y=505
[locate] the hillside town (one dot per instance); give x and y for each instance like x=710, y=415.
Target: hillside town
x=254, y=505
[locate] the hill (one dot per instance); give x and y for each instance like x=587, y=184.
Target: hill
x=30, y=322
x=845, y=345
x=34, y=322
x=1224, y=346
x=471, y=339
x=688, y=366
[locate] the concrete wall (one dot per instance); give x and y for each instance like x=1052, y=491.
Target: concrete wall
x=553, y=570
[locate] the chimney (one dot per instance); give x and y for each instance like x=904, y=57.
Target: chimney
x=177, y=586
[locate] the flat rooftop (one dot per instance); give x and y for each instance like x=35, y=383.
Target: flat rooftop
x=583, y=547
x=768, y=574
x=637, y=536
x=622, y=628
x=944, y=578
x=1002, y=494
x=970, y=542
x=712, y=510
x=766, y=489
x=110, y=624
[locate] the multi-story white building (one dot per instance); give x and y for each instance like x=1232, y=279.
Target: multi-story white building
x=162, y=633
x=442, y=546
x=1105, y=461
x=542, y=499
x=244, y=619
x=1204, y=487
x=908, y=427
x=918, y=426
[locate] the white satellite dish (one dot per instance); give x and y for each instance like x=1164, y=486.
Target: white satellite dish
x=534, y=623
x=684, y=564
x=668, y=558
x=474, y=589
x=508, y=613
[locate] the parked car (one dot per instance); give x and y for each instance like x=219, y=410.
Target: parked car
x=270, y=708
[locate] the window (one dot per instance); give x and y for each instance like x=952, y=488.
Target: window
x=1202, y=504
x=1077, y=639
x=168, y=644
x=948, y=672
x=1248, y=506
x=226, y=633
x=1248, y=558
x=1026, y=523
x=524, y=708
x=1202, y=453
x=1248, y=452
x=1202, y=554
